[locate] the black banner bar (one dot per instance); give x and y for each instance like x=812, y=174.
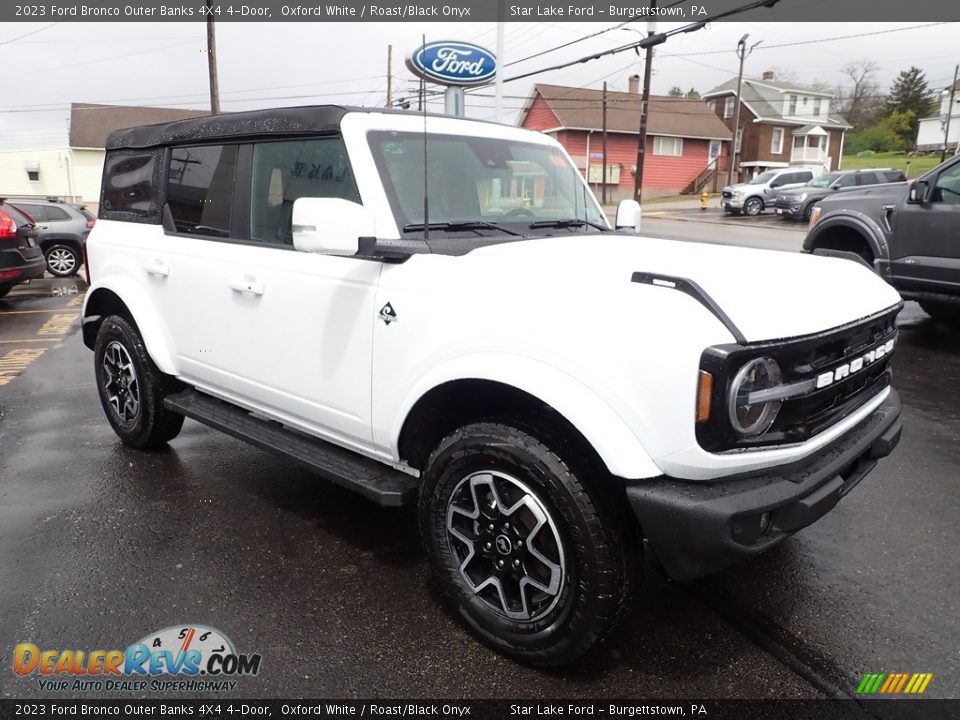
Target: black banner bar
x=897, y=709
x=425, y=11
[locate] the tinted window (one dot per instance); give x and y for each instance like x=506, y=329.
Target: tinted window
x=129, y=185
x=867, y=178
x=287, y=170
x=947, y=187
x=200, y=187
x=55, y=214
x=37, y=212
x=894, y=176
x=18, y=217
x=846, y=181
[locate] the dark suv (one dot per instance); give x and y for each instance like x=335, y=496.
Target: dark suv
x=797, y=203
x=909, y=233
x=62, y=230
x=20, y=258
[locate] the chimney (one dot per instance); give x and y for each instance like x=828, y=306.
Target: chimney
x=768, y=75
x=633, y=84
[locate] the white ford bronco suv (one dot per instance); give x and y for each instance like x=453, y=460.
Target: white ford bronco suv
x=435, y=311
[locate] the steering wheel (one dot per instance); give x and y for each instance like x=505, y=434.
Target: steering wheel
x=518, y=213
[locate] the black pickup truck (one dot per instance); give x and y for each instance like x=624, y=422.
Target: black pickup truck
x=908, y=232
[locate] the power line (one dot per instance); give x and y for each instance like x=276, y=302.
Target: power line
x=33, y=32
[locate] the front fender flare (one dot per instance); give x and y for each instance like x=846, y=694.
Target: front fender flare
x=156, y=336
x=853, y=220
x=617, y=445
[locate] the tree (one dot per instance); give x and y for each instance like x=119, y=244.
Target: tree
x=860, y=100
x=693, y=94
x=891, y=133
x=910, y=93
x=675, y=91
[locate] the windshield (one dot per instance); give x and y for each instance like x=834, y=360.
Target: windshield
x=763, y=178
x=823, y=181
x=481, y=180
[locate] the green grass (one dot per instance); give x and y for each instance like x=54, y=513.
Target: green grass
x=911, y=166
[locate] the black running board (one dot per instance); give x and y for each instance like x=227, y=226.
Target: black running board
x=375, y=481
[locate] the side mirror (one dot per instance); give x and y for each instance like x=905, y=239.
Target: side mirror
x=331, y=226
x=628, y=215
x=919, y=192
x=835, y=186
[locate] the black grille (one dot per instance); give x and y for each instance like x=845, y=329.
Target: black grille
x=801, y=359
x=727, y=194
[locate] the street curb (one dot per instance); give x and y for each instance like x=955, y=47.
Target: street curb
x=726, y=222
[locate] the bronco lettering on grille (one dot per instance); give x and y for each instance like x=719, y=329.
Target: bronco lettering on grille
x=856, y=365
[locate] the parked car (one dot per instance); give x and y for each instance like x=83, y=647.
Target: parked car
x=290, y=277
x=62, y=230
x=909, y=233
x=20, y=258
x=752, y=197
x=797, y=203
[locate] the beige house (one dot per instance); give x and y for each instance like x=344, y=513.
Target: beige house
x=72, y=171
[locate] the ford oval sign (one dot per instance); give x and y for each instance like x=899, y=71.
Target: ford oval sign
x=453, y=63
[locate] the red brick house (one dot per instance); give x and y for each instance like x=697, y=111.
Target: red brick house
x=685, y=140
x=781, y=125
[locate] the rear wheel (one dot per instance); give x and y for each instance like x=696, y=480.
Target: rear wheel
x=132, y=388
x=753, y=206
x=807, y=212
x=62, y=260
x=944, y=312
x=535, y=561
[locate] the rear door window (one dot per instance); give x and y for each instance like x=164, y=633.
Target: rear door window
x=130, y=183
x=200, y=189
x=55, y=214
x=36, y=212
x=846, y=181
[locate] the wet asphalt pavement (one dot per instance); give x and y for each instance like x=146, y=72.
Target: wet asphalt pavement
x=100, y=545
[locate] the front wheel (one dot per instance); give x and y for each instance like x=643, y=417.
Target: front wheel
x=535, y=561
x=132, y=388
x=62, y=260
x=753, y=206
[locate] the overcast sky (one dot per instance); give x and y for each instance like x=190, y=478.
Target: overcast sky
x=270, y=65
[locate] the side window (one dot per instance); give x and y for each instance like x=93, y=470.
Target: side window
x=947, y=187
x=804, y=177
x=200, y=187
x=37, y=212
x=129, y=188
x=846, y=181
x=892, y=176
x=289, y=169
x=867, y=178
x=55, y=214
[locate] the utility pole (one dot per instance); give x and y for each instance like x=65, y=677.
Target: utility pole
x=946, y=131
x=389, y=76
x=732, y=160
x=212, y=61
x=644, y=109
x=603, y=174
x=498, y=79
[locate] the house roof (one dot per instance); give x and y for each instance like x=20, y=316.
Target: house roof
x=765, y=99
x=90, y=124
x=582, y=108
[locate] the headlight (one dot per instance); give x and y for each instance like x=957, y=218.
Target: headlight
x=801, y=197
x=738, y=194
x=814, y=216
x=754, y=419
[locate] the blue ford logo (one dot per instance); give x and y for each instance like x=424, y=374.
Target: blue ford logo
x=453, y=63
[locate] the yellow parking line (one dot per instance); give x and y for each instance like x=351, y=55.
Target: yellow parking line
x=29, y=312
x=7, y=342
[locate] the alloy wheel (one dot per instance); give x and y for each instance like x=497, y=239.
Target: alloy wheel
x=507, y=545
x=120, y=382
x=61, y=261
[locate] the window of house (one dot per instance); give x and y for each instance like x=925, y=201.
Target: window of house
x=728, y=108
x=667, y=146
x=817, y=105
x=33, y=175
x=776, y=141
x=287, y=170
x=200, y=188
x=792, y=107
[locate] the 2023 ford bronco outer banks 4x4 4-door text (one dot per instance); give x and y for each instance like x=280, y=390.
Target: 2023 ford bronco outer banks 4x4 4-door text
x=549, y=390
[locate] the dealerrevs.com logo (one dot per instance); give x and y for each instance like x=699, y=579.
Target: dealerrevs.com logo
x=188, y=658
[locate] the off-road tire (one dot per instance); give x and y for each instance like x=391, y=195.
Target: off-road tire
x=592, y=530
x=151, y=425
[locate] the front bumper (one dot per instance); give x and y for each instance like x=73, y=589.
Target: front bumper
x=696, y=528
x=732, y=204
x=790, y=210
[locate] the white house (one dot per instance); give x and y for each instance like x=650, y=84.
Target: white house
x=71, y=171
x=930, y=134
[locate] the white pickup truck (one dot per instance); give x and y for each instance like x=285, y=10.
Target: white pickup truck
x=436, y=311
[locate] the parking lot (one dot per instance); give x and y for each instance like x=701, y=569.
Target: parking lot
x=100, y=545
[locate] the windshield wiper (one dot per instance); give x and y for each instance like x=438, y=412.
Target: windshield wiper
x=464, y=225
x=570, y=222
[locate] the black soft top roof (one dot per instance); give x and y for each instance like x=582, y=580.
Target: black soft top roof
x=305, y=120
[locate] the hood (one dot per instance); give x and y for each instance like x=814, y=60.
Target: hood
x=767, y=294
x=737, y=186
x=796, y=191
